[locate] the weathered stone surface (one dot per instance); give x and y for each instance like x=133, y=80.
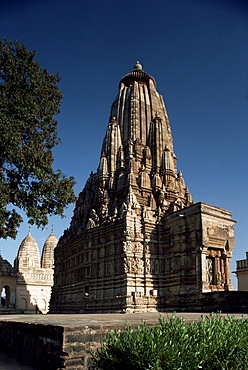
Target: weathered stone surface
x=137, y=242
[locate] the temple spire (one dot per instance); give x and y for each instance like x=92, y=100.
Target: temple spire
x=137, y=151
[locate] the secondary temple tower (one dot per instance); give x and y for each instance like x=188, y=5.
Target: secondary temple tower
x=137, y=241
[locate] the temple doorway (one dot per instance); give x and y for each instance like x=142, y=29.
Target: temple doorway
x=5, y=296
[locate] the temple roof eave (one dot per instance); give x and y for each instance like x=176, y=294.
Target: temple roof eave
x=138, y=75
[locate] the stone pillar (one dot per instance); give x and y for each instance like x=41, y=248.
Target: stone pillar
x=204, y=270
x=12, y=297
x=228, y=285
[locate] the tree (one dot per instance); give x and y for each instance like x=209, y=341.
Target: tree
x=29, y=98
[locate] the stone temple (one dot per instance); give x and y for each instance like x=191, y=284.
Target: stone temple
x=137, y=242
x=26, y=287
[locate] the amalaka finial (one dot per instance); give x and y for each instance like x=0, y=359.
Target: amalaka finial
x=137, y=66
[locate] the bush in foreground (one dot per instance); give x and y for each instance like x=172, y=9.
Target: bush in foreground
x=213, y=343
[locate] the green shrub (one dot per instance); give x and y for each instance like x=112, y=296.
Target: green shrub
x=213, y=343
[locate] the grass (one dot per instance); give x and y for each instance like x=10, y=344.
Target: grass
x=212, y=343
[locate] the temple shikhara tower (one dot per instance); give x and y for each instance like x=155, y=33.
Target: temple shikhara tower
x=137, y=241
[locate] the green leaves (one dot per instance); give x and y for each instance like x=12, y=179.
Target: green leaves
x=213, y=343
x=29, y=98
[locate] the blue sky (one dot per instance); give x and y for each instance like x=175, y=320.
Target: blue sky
x=197, y=50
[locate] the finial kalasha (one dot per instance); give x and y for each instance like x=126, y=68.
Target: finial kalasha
x=137, y=66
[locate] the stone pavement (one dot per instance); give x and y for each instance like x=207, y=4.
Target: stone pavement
x=104, y=319
x=81, y=326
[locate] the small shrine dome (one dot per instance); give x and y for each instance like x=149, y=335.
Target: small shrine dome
x=6, y=268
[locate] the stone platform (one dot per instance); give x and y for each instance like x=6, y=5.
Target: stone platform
x=63, y=341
